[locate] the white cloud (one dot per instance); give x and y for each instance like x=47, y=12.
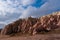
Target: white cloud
x=28, y=12
x=28, y=2
x=13, y=6
x=3, y=23
x=9, y=6
x=8, y=9
x=48, y=7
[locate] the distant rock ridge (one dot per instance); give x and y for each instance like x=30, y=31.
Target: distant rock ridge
x=33, y=25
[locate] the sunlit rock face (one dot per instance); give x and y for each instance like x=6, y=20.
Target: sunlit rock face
x=33, y=25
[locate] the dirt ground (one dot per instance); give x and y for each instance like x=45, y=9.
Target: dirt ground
x=53, y=35
x=34, y=37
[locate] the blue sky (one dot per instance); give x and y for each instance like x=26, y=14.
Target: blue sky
x=11, y=10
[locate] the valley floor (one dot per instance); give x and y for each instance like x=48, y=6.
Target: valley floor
x=34, y=37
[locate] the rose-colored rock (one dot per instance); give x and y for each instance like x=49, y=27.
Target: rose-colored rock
x=33, y=25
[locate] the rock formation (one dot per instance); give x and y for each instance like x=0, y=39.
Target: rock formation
x=33, y=25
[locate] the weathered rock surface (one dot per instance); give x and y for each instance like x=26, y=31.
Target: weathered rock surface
x=33, y=25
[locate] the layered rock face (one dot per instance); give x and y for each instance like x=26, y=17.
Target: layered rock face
x=33, y=25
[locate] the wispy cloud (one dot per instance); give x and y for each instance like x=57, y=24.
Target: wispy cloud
x=48, y=7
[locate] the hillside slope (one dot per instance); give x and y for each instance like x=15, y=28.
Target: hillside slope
x=33, y=25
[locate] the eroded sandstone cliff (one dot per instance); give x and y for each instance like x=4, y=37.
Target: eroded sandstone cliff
x=33, y=25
